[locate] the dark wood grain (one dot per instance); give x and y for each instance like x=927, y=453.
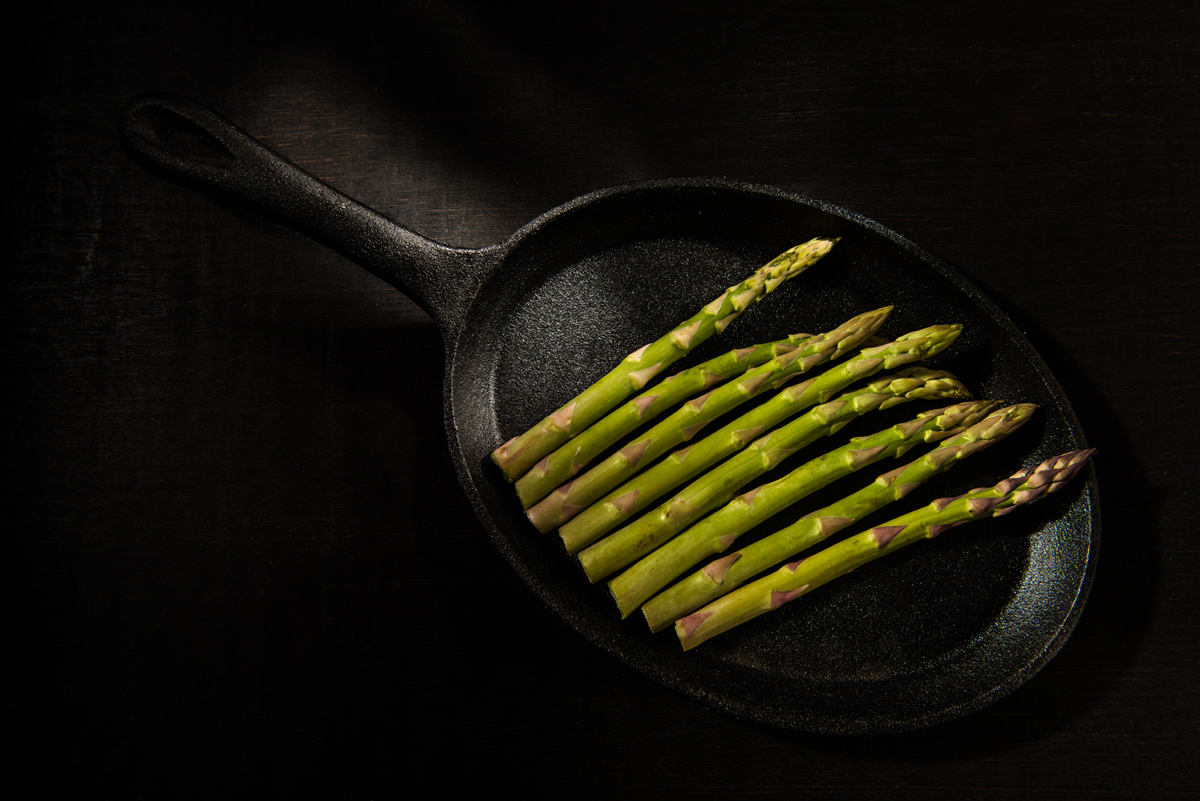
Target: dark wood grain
x=243, y=562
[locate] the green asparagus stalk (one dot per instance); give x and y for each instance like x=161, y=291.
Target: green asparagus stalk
x=516, y=456
x=719, y=486
x=715, y=533
x=683, y=424
x=625, y=501
x=579, y=452
x=802, y=577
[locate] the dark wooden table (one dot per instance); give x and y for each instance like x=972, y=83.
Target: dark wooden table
x=229, y=492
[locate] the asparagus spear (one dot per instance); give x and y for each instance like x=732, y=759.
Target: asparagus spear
x=560, y=505
x=799, y=578
x=578, y=452
x=623, y=502
x=719, y=486
x=519, y=454
x=715, y=533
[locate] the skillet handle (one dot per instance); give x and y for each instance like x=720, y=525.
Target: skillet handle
x=190, y=144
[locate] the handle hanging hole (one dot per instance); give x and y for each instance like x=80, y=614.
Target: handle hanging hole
x=191, y=142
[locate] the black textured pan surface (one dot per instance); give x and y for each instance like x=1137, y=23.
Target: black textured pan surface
x=926, y=635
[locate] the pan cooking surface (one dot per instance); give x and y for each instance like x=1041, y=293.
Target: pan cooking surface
x=927, y=634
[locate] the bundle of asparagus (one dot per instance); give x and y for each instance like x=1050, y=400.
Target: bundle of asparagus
x=621, y=503
x=717, y=532
x=578, y=452
x=519, y=454
x=596, y=509
x=652, y=573
x=575, y=496
x=801, y=577
x=719, y=485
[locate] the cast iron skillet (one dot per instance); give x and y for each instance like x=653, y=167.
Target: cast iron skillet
x=926, y=635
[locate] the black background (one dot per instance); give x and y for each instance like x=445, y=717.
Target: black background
x=243, y=563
